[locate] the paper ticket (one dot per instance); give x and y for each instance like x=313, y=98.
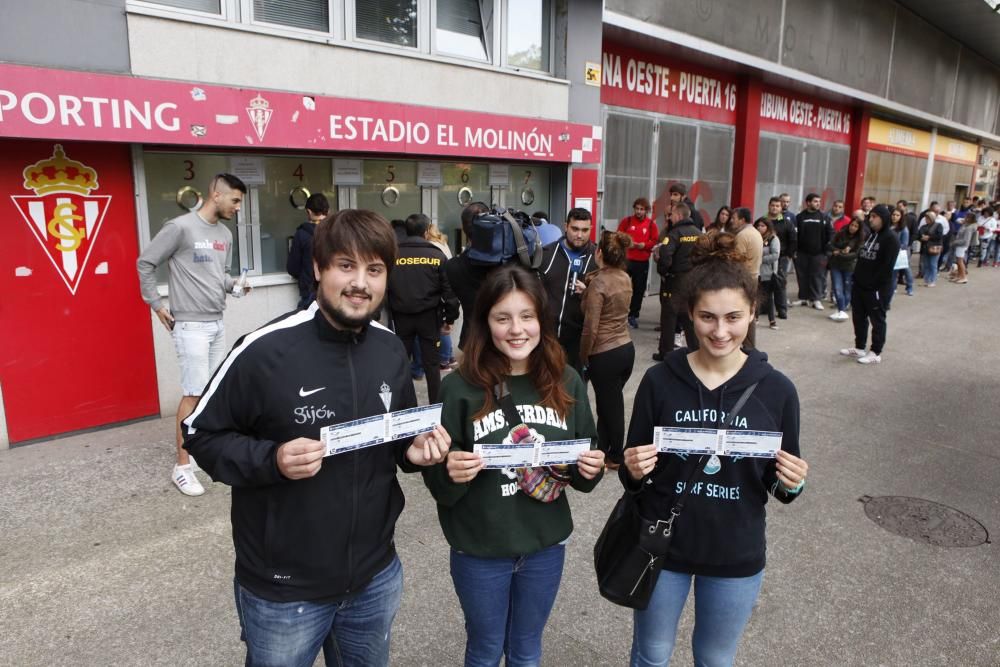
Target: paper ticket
x=758, y=444
x=671, y=440
x=722, y=442
x=379, y=429
x=506, y=456
x=531, y=455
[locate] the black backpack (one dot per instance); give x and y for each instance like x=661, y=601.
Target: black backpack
x=500, y=235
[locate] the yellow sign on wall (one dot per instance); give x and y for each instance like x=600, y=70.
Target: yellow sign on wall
x=895, y=138
x=955, y=150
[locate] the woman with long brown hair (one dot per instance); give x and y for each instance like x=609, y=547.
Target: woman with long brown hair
x=719, y=538
x=606, y=350
x=508, y=527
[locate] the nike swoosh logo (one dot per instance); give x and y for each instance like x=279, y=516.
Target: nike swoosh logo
x=303, y=393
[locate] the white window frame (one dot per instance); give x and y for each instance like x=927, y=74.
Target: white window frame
x=502, y=60
x=246, y=11
x=491, y=58
x=227, y=15
x=424, y=32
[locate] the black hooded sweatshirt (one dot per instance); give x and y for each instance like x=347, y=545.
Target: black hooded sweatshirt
x=299, y=264
x=876, y=257
x=720, y=532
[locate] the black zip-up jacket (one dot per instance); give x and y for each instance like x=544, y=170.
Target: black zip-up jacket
x=418, y=281
x=325, y=537
x=565, y=305
x=788, y=237
x=876, y=257
x=695, y=214
x=675, y=248
x=299, y=264
x=814, y=232
x=720, y=533
x=465, y=278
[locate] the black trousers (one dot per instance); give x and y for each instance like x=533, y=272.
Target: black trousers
x=608, y=372
x=868, y=305
x=639, y=272
x=671, y=316
x=780, y=286
x=810, y=270
x=569, y=338
x=426, y=329
x=766, y=290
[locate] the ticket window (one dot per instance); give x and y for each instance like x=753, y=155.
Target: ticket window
x=390, y=188
x=461, y=184
x=272, y=209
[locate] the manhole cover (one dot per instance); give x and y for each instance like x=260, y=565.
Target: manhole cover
x=925, y=521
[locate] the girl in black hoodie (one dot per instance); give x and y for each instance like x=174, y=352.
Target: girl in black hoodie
x=719, y=537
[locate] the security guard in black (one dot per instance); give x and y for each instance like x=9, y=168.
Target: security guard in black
x=421, y=299
x=673, y=264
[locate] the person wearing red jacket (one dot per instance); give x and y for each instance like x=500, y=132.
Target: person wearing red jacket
x=645, y=236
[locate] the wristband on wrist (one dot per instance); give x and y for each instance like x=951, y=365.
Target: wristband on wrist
x=794, y=490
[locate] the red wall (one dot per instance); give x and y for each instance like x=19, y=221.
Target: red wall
x=77, y=344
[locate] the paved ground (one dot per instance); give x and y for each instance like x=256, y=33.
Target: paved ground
x=102, y=562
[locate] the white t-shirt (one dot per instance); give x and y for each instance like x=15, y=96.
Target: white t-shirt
x=986, y=228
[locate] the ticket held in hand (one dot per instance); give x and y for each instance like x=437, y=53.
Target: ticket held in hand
x=380, y=429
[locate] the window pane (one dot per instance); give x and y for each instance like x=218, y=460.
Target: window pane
x=375, y=195
x=167, y=174
x=463, y=28
x=210, y=6
x=454, y=177
x=628, y=156
x=308, y=14
x=767, y=164
x=674, y=162
x=529, y=190
x=277, y=215
x=715, y=160
x=390, y=21
x=528, y=34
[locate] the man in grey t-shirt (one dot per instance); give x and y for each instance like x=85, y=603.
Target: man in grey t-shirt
x=198, y=251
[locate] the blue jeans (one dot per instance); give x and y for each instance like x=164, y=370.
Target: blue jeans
x=992, y=250
x=351, y=632
x=842, y=281
x=722, y=607
x=506, y=602
x=929, y=266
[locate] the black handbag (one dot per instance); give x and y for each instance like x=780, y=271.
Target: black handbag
x=628, y=554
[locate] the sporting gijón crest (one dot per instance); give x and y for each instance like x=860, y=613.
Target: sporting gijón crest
x=62, y=214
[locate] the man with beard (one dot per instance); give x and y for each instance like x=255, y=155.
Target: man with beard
x=564, y=264
x=784, y=229
x=199, y=251
x=313, y=534
x=814, y=235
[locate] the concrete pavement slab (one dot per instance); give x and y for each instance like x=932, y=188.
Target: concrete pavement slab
x=105, y=563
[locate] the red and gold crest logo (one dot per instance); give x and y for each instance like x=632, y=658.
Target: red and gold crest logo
x=63, y=214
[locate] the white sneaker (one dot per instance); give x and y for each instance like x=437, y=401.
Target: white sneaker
x=870, y=358
x=852, y=352
x=798, y=302
x=194, y=464
x=842, y=315
x=679, y=341
x=835, y=316
x=818, y=305
x=186, y=482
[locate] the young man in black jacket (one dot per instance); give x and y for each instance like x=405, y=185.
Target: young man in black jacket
x=463, y=274
x=313, y=535
x=814, y=235
x=422, y=303
x=673, y=262
x=872, y=285
x=784, y=229
x=564, y=264
x=299, y=264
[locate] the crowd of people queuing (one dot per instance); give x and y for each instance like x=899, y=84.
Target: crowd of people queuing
x=316, y=566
